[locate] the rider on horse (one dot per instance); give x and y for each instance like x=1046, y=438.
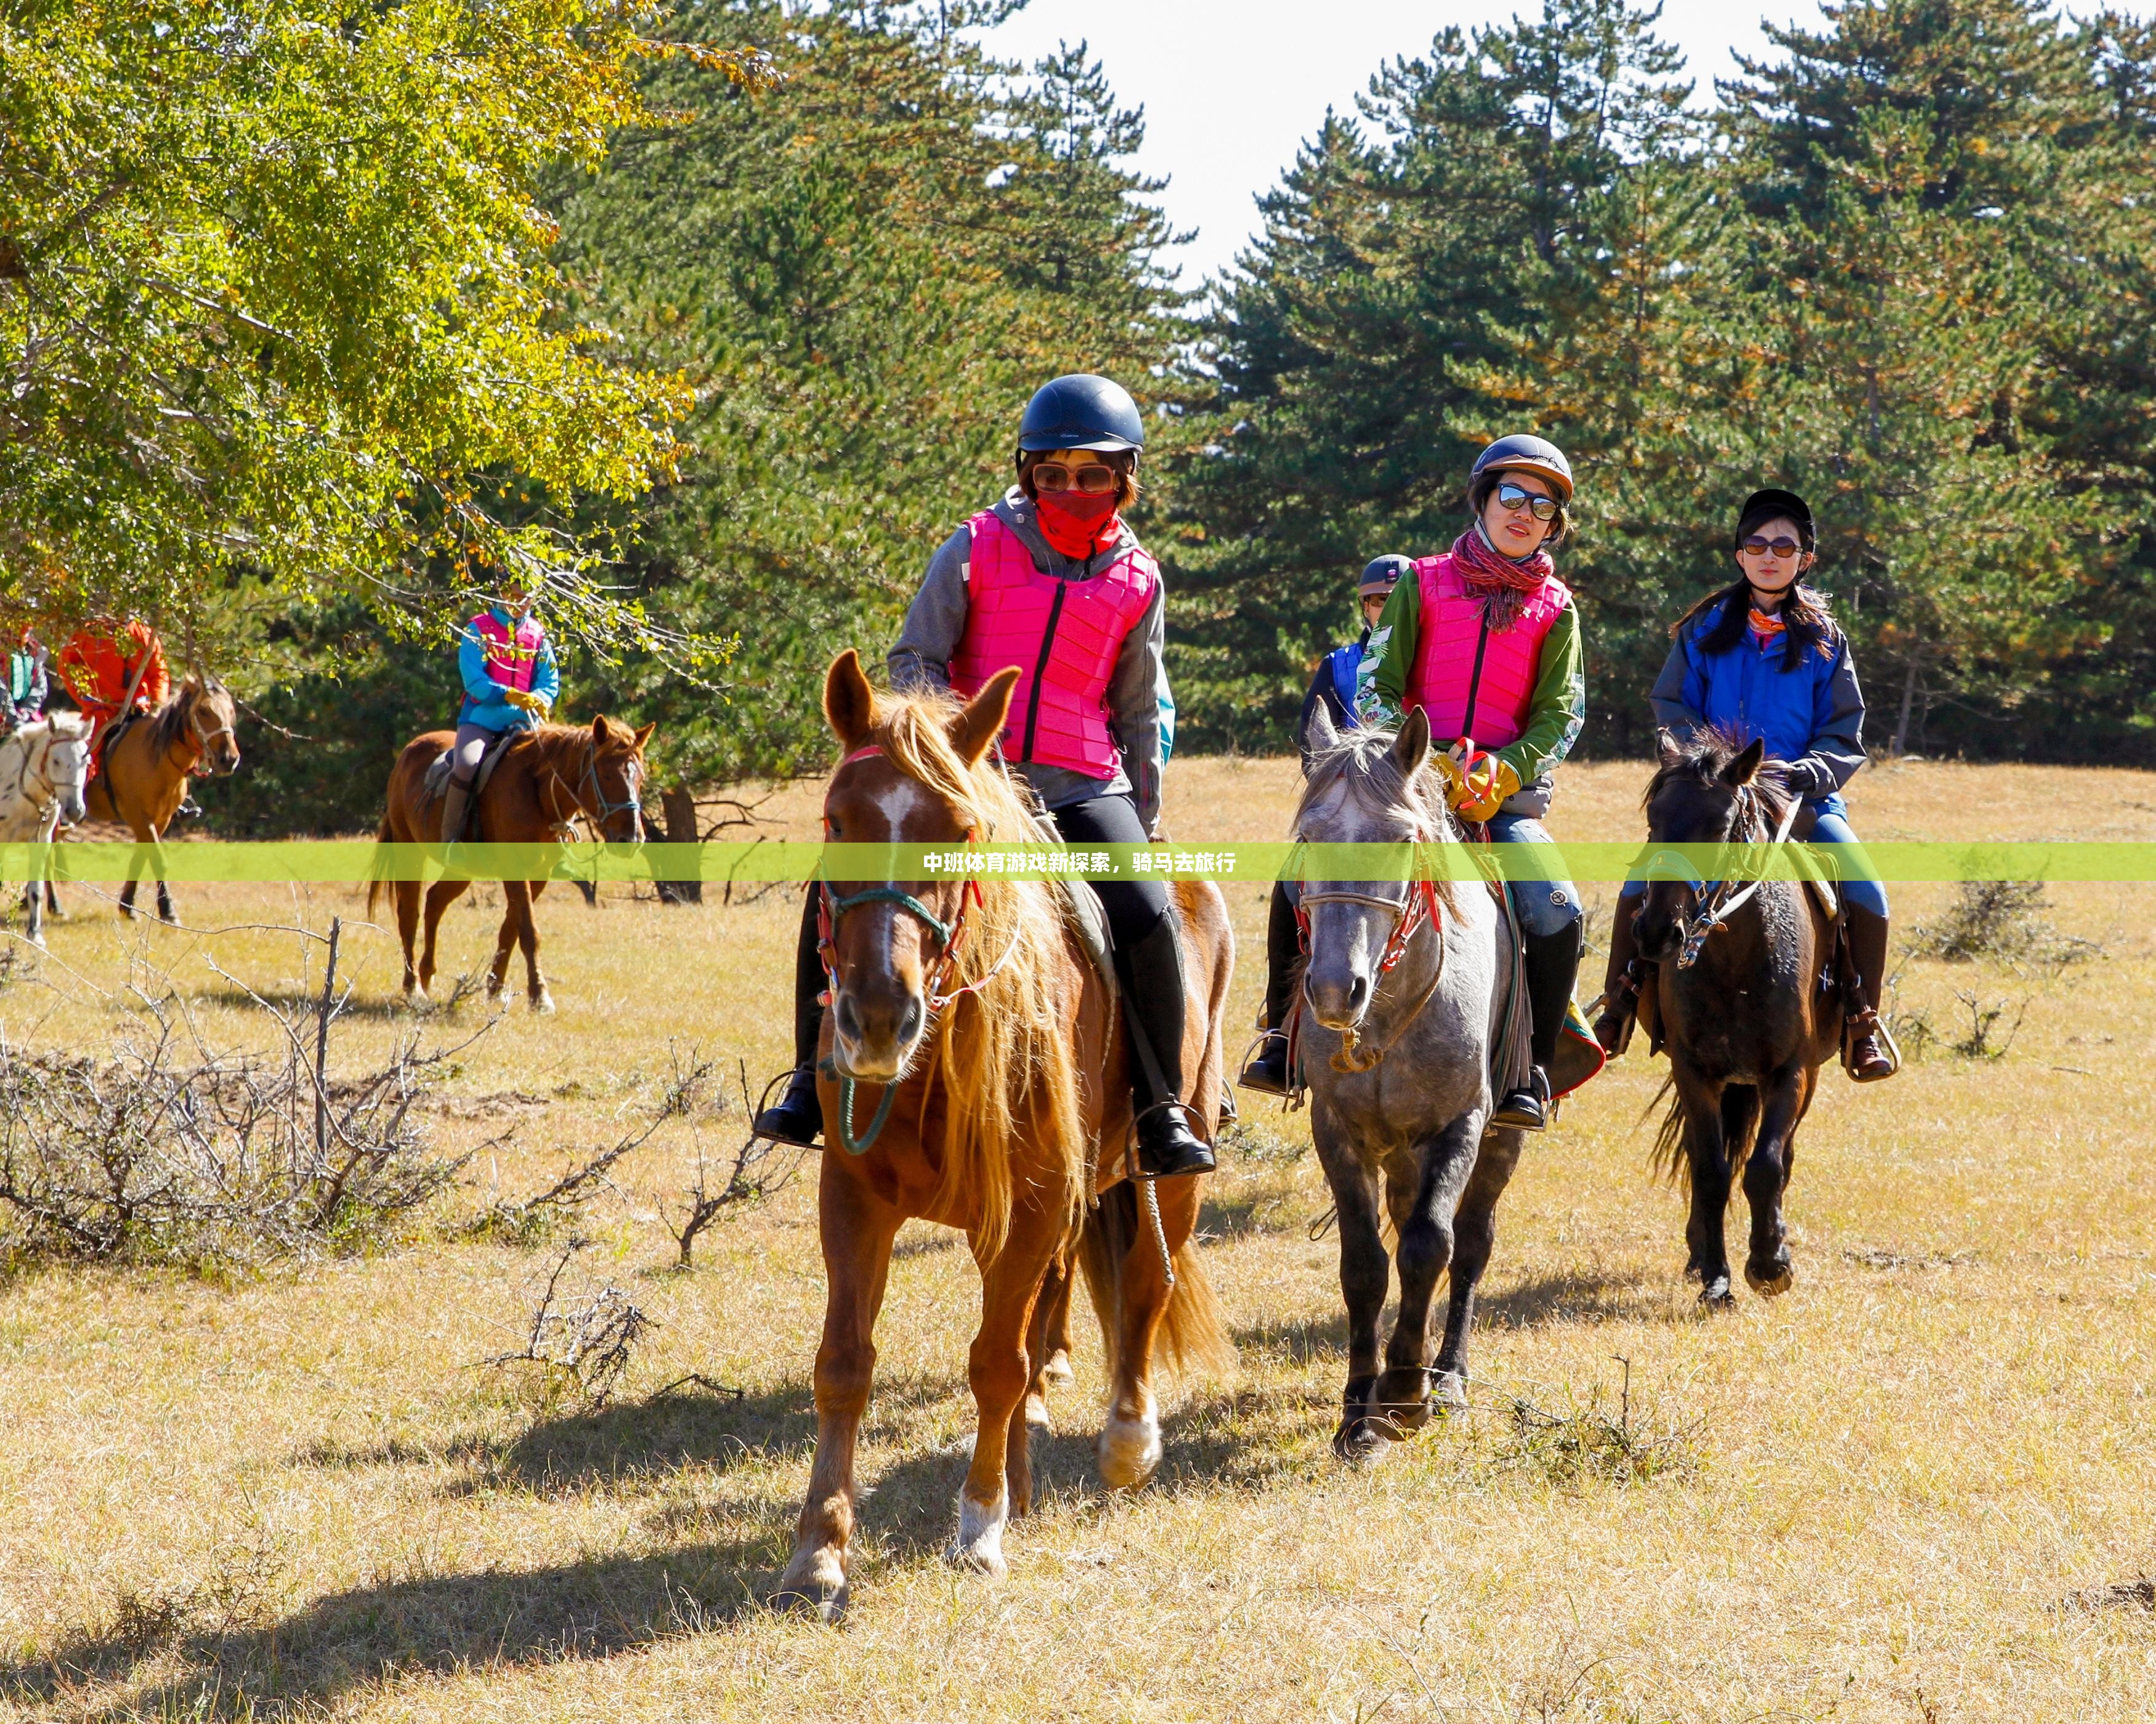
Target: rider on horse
x=1762, y=659
x=1486, y=639
x=1051, y=581
x=26, y=684
x=101, y=664
x=506, y=666
x=1333, y=688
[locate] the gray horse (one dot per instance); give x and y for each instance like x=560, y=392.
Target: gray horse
x=1399, y=1064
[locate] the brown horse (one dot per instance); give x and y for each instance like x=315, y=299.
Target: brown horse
x=1743, y=1000
x=993, y=1099
x=143, y=772
x=547, y=778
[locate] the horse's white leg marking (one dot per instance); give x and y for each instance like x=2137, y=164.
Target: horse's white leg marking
x=979, y=1544
x=1130, y=1446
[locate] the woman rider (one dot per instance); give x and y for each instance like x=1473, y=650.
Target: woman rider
x=1486, y=639
x=506, y=664
x=1762, y=659
x=1051, y=580
x=1333, y=688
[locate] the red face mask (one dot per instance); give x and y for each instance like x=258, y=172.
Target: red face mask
x=1079, y=525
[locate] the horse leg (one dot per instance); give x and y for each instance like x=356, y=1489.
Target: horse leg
x=1767, y=1177
x=1051, y=1312
x=440, y=896
x=517, y=925
x=53, y=901
x=505, y=937
x=1130, y=1439
x=856, y=1228
x=407, y=894
x=1707, y=1158
x=1474, y=1234
x=1423, y=1216
x=34, y=912
x=999, y=1483
x=1365, y=1274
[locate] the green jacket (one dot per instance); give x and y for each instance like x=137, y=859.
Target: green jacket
x=1555, y=713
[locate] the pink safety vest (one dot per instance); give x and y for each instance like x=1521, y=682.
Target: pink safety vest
x=1012, y=609
x=1457, y=661
x=512, y=660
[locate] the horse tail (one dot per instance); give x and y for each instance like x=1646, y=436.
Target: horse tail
x=1193, y=1330
x=377, y=870
x=1740, y=1131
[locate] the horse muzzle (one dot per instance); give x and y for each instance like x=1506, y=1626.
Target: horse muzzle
x=1339, y=994
x=73, y=809
x=876, y=1030
x=1658, y=929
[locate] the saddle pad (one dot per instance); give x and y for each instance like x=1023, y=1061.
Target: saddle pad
x=1082, y=905
x=436, y=783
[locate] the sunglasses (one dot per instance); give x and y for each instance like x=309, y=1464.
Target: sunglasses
x=1518, y=496
x=1093, y=481
x=1780, y=547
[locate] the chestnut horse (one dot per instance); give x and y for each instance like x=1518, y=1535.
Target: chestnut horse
x=1745, y=1003
x=546, y=777
x=994, y=1098
x=142, y=773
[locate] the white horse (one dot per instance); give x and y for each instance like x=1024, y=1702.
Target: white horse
x=44, y=768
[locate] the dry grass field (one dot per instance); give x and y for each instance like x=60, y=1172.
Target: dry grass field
x=1918, y=1488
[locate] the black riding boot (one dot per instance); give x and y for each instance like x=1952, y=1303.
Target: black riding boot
x=1267, y=1072
x=798, y=1115
x=1151, y=971
x=1552, y=964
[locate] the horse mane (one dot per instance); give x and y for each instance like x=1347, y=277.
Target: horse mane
x=1700, y=760
x=1013, y=1040
x=1365, y=755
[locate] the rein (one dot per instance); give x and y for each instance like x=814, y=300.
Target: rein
x=1418, y=906
x=1727, y=898
x=607, y=809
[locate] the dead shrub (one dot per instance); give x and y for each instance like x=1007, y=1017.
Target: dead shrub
x=2003, y=920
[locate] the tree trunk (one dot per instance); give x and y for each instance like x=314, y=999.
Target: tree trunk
x=1908, y=700
x=677, y=809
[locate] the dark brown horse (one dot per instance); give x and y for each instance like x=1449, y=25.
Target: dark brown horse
x=1739, y=1002
x=143, y=772
x=975, y=1077
x=548, y=779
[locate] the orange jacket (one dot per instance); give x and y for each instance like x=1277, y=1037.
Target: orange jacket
x=97, y=673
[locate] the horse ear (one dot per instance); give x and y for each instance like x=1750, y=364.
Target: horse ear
x=974, y=731
x=848, y=701
x=1742, y=770
x=1667, y=746
x=1323, y=734
x=644, y=736
x=1411, y=747
x=599, y=730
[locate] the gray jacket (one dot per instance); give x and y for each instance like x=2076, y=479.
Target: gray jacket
x=936, y=621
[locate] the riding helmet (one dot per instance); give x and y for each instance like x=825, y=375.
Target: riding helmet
x=1522, y=454
x=1763, y=506
x=1381, y=575
x=1081, y=411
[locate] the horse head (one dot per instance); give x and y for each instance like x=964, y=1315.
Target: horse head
x=898, y=782
x=1366, y=788
x=66, y=769
x=211, y=716
x=1699, y=795
x=612, y=790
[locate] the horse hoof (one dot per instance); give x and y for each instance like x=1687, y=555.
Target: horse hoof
x=542, y=1003
x=1716, y=1295
x=1361, y=1441
x=978, y=1548
x=1130, y=1452
x=1777, y=1280
x=1448, y=1393
x=1057, y=1373
x=815, y=1584
x=1036, y=1412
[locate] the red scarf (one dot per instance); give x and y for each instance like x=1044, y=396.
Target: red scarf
x=1079, y=525
x=1767, y=626
x=1501, y=582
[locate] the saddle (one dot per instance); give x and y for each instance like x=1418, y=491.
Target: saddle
x=1082, y=907
x=436, y=783
x=113, y=732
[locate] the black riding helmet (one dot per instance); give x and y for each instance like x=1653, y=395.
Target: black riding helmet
x=1380, y=575
x=1763, y=506
x=1081, y=411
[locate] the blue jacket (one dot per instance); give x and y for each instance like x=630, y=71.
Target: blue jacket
x=1811, y=717
x=483, y=705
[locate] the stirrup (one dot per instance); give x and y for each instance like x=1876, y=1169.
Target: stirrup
x=1201, y=1162
x=1253, y=1075
x=1854, y=1030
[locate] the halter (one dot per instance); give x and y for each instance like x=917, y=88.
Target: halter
x=589, y=778
x=949, y=937
x=204, y=738
x=1716, y=908
x=42, y=754
x=1410, y=912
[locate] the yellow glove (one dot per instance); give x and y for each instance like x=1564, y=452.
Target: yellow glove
x=1485, y=789
x=524, y=701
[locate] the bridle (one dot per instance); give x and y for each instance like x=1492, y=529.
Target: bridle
x=1418, y=905
x=949, y=937
x=43, y=755
x=606, y=808
x=1713, y=909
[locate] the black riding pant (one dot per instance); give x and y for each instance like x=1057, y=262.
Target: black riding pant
x=1141, y=926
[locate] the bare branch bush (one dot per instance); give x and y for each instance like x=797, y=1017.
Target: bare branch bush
x=760, y=1168
x=582, y=1348
x=2001, y=920
x=173, y=1152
